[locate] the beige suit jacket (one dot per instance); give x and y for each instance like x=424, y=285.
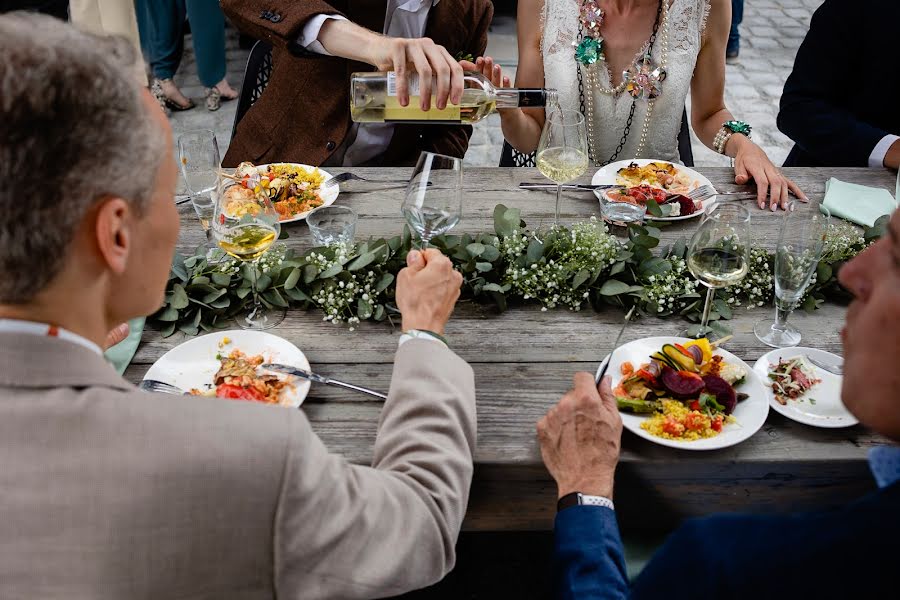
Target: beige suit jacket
x=109, y=492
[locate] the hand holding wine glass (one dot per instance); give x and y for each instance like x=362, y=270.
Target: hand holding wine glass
x=800, y=244
x=719, y=254
x=245, y=225
x=562, y=150
x=433, y=204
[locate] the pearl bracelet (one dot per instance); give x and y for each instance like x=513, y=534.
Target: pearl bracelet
x=721, y=140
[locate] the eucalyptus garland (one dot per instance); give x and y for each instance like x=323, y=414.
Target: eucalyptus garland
x=573, y=267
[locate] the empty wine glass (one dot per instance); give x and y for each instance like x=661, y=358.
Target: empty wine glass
x=800, y=244
x=719, y=255
x=562, y=150
x=433, y=204
x=198, y=155
x=245, y=225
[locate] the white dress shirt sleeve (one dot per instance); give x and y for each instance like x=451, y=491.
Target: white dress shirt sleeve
x=876, y=159
x=309, y=37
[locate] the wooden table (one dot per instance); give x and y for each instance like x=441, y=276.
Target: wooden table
x=524, y=360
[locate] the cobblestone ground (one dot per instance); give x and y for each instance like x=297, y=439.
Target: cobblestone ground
x=771, y=32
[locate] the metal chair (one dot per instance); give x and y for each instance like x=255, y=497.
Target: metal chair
x=510, y=157
x=256, y=78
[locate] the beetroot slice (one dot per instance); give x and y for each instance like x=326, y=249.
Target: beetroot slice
x=681, y=384
x=722, y=390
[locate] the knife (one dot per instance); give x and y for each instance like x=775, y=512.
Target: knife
x=320, y=379
x=615, y=346
x=584, y=187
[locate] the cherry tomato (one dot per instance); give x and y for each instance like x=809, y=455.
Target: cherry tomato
x=236, y=392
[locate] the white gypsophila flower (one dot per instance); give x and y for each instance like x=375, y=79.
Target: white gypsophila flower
x=666, y=290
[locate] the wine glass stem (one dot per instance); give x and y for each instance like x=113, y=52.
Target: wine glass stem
x=558, y=190
x=253, y=287
x=710, y=292
x=425, y=242
x=782, y=312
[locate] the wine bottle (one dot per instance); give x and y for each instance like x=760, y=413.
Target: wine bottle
x=373, y=99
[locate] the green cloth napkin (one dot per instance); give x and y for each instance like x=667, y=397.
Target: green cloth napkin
x=860, y=204
x=121, y=354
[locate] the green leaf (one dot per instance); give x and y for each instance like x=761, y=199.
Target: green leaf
x=450, y=241
x=331, y=272
x=483, y=267
x=653, y=231
x=179, y=298
x=823, y=272
x=617, y=268
x=614, y=287
x=168, y=330
x=475, y=249
x=274, y=298
x=292, y=279
x=242, y=292
x=394, y=243
x=386, y=280
x=297, y=294
x=379, y=313
x=653, y=208
x=168, y=314
x=221, y=278
x=646, y=241
x=283, y=234
x=360, y=262
x=263, y=283
x=213, y=296
x=309, y=273
x=492, y=287
x=655, y=266
x=535, y=251
x=722, y=308
x=679, y=248
x=364, y=309
x=178, y=268
x=223, y=302
x=191, y=261
x=878, y=229
x=580, y=277
x=490, y=253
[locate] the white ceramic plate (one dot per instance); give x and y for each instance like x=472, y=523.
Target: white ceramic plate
x=750, y=413
x=607, y=176
x=329, y=195
x=193, y=364
x=828, y=410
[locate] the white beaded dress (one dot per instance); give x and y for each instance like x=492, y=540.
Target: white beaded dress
x=687, y=20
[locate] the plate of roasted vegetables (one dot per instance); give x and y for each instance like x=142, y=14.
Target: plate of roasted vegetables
x=665, y=183
x=227, y=365
x=686, y=393
x=295, y=189
x=803, y=392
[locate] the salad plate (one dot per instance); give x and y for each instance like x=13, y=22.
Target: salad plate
x=818, y=406
x=748, y=414
x=193, y=366
x=314, y=177
x=678, y=180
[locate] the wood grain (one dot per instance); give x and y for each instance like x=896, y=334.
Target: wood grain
x=524, y=360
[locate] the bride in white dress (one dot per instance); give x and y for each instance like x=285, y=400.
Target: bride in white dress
x=593, y=52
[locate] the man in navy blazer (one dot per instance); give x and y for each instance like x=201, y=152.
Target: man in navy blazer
x=849, y=553
x=840, y=104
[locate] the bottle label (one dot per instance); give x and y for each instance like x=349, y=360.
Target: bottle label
x=411, y=113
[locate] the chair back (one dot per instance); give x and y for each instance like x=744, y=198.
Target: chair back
x=510, y=157
x=256, y=78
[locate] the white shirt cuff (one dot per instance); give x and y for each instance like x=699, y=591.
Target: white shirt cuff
x=421, y=336
x=309, y=37
x=876, y=159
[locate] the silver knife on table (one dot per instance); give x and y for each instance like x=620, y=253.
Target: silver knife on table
x=321, y=379
x=583, y=187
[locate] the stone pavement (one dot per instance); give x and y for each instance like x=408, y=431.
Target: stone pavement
x=771, y=32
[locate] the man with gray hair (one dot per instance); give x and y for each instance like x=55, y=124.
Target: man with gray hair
x=109, y=492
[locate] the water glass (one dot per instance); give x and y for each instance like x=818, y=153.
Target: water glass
x=562, y=152
x=332, y=225
x=433, y=204
x=619, y=213
x=198, y=155
x=800, y=244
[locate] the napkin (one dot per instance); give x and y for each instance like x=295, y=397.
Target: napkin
x=860, y=204
x=121, y=354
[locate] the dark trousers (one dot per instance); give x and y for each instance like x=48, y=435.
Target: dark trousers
x=737, y=15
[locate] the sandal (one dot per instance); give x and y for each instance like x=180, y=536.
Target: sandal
x=171, y=104
x=213, y=99
x=159, y=96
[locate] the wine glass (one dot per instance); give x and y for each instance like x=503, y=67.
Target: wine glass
x=433, y=204
x=719, y=254
x=562, y=151
x=245, y=225
x=198, y=155
x=797, y=255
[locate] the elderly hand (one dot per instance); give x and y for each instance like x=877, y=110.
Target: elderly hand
x=118, y=334
x=751, y=162
x=432, y=62
x=580, y=438
x=427, y=290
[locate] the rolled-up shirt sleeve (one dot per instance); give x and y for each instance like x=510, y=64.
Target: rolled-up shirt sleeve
x=876, y=159
x=309, y=35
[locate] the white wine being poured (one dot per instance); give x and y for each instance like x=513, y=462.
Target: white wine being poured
x=374, y=99
x=561, y=165
x=717, y=267
x=248, y=242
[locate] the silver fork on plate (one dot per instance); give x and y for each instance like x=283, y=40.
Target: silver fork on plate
x=153, y=385
x=831, y=368
x=701, y=193
x=342, y=177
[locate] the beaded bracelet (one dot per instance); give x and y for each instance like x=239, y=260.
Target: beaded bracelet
x=728, y=129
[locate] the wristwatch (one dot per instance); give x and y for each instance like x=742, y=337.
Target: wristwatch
x=579, y=499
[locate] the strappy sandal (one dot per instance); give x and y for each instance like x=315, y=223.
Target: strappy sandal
x=213, y=99
x=171, y=104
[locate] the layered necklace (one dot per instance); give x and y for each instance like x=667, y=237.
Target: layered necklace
x=642, y=80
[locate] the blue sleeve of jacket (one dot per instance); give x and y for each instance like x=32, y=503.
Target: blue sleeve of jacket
x=588, y=560
x=813, y=111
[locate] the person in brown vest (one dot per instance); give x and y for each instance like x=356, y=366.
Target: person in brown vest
x=304, y=114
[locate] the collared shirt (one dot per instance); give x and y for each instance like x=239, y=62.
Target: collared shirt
x=884, y=461
x=365, y=141
x=42, y=329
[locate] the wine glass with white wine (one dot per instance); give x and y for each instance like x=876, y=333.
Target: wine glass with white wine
x=433, y=204
x=245, y=225
x=562, y=150
x=719, y=255
x=800, y=245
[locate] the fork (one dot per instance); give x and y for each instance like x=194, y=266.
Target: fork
x=342, y=177
x=701, y=193
x=153, y=385
x=707, y=189
x=831, y=368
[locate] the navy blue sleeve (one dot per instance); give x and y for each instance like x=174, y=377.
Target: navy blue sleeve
x=814, y=106
x=588, y=560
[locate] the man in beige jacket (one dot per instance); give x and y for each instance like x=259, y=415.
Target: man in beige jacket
x=108, y=492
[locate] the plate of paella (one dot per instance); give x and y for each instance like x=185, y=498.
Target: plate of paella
x=665, y=183
x=295, y=189
x=687, y=394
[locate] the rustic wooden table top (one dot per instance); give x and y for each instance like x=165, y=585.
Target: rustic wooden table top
x=524, y=360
